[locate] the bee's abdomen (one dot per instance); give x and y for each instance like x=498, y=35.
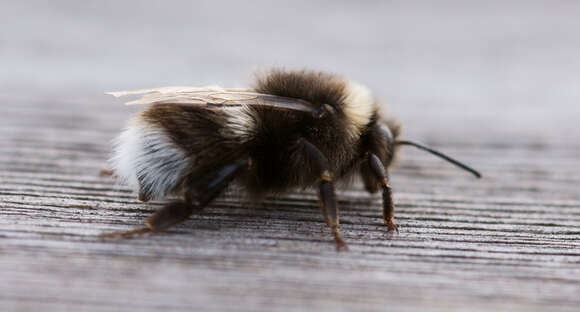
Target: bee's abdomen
x=145, y=157
x=169, y=143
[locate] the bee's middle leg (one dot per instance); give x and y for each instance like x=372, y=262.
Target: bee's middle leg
x=326, y=194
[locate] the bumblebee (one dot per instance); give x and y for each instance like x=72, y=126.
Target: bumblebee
x=292, y=129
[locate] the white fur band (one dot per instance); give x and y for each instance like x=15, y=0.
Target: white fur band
x=146, y=158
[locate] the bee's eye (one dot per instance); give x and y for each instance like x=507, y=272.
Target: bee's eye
x=386, y=134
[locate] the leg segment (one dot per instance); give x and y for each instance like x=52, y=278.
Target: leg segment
x=108, y=173
x=382, y=176
x=326, y=191
x=199, y=193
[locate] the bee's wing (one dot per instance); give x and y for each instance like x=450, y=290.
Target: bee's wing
x=215, y=97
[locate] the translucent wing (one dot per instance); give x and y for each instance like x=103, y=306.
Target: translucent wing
x=215, y=97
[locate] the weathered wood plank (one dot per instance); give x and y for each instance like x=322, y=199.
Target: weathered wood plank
x=492, y=243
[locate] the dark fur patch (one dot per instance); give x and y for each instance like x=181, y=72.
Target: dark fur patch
x=198, y=131
x=312, y=86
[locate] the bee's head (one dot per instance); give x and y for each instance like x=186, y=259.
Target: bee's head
x=382, y=141
x=384, y=136
x=378, y=141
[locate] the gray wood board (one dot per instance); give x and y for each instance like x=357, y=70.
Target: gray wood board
x=510, y=239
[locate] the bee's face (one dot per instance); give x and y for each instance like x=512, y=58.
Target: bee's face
x=388, y=133
x=390, y=141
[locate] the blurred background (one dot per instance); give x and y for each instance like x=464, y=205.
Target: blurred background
x=511, y=67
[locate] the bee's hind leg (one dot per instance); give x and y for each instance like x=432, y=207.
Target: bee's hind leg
x=199, y=193
x=108, y=173
x=169, y=215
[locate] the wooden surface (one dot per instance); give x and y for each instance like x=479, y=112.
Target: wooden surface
x=501, y=94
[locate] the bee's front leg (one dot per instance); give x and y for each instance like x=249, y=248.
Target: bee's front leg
x=382, y=176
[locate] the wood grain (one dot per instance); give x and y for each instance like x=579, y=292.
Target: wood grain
x=509, y=240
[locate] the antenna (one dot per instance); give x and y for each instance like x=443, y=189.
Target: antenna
x=441, y=155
